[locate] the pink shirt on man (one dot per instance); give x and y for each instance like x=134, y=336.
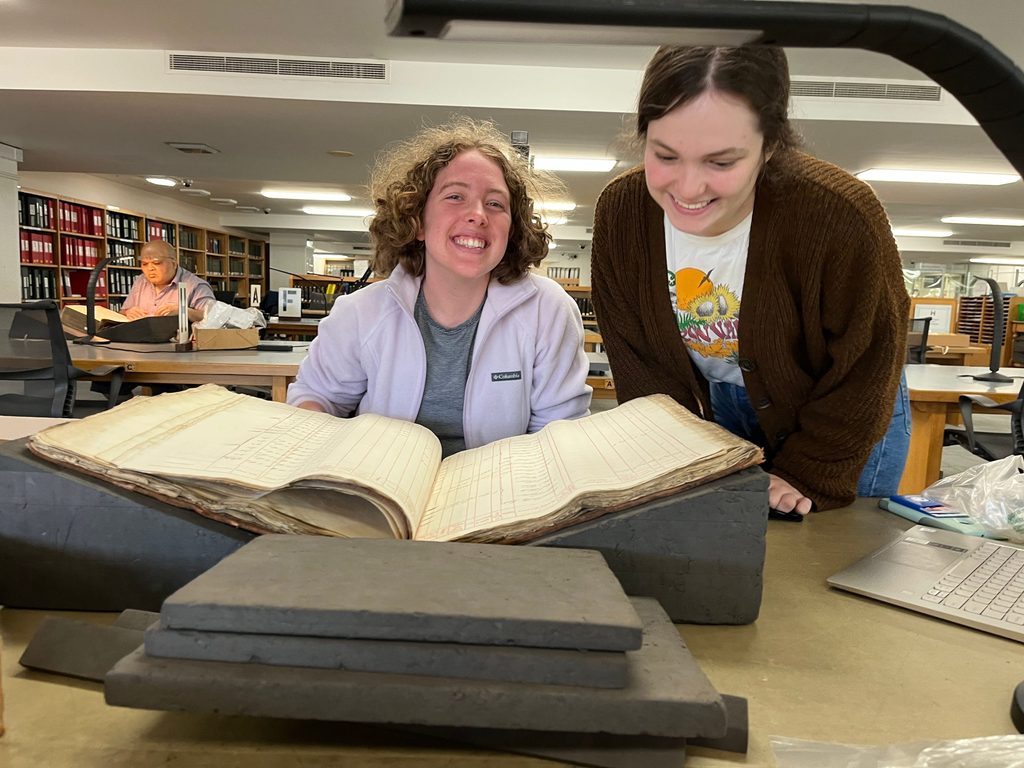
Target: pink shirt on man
x=146, y=297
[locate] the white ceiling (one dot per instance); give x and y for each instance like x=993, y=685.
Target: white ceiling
x=84, y=89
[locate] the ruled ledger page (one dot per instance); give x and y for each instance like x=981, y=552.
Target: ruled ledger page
x=217, y=441
x=515, y=488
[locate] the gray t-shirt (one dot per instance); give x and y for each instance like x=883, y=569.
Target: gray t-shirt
x=449, y=355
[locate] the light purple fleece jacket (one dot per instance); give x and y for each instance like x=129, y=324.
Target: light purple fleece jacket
x=528, y=364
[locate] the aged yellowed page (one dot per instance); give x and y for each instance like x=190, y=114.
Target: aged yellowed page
x=515, y=488
x=232, y=452
x=102, y=313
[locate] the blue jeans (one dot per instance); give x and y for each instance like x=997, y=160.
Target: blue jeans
x=884, y=468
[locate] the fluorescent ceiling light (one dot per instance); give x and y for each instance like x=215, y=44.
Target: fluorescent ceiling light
x=937, y=177
x=249, y=208
x=161, y=181
x=470, y=30
x=565, y=206
x=223, y=200
x=195, y=191
x=306, y=194
x=914, y=232
x=580, y=164
x=1005, y=260
x=554, y=221
x=995, y=221
x=552, y=245
x=336, y=210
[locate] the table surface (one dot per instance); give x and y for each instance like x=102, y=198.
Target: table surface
x=947, y=382
x=279, y=362
x=818, y=664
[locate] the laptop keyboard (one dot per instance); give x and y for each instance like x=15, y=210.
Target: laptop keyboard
x=989, y=583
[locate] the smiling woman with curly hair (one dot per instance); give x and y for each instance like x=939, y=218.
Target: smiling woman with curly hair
x=403, y=178
x=461, y=337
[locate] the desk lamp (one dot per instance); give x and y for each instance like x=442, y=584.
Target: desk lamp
x=90, y=297
x=987, y=83
x=998, y=333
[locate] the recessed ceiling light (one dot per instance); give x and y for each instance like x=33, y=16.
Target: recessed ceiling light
x=565, y=206
x=250, y=208
x=937, y=177
x=306, y=194
x=994, y=221
x=922, y=232
x=223, y=201
x=194, y=191
x=339, y=153
x=336, y=210
x=580, y=164
x=161, y=181
x=1005, y=260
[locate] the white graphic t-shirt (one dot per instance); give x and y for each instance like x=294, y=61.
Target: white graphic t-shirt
x=705, y=283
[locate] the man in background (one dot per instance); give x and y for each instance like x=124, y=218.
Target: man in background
x=155, y=291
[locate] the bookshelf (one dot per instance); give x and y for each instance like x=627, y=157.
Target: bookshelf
x=62, y=239
x=976, y=318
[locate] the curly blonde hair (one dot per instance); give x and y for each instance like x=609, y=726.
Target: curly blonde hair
x=404, y=175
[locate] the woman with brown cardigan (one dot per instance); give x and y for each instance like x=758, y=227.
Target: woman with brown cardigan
x=726, y=213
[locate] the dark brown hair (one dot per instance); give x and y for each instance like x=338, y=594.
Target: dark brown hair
x=402, y=180
x=757, y=74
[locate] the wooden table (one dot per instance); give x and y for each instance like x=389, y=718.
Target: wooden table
x=818, y=664
x=293, y=328
x=970, y=355
x=228, y=367
x=934, y=396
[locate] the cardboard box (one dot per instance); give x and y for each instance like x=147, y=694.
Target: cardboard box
x=226, y=338
x=949, y=340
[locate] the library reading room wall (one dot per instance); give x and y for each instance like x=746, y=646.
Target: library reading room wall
x=69, y=222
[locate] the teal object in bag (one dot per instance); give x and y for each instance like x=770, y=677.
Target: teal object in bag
x=925, y=511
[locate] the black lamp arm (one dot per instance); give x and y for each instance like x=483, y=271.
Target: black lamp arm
x=986, y=82
x=90, y=296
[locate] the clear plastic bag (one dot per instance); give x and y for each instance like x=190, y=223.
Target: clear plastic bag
x=984, y=752
x=992, y=494
x=221, y=315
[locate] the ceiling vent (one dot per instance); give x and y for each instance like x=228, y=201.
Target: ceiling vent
x=877, y=89
x=190, y=148
x=334, y=69
x=979, y=243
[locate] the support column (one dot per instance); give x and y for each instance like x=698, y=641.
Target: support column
x=290, y=252
x=10, y=258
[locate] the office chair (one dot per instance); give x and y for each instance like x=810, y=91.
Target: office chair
x=989, y=445
x=917, y=339
x=33, y=350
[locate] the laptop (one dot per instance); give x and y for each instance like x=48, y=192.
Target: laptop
x=965, y=579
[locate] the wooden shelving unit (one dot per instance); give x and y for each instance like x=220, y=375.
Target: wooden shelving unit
x=62, y=239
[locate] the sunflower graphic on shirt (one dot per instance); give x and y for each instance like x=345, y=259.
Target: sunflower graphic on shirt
x=707, y=313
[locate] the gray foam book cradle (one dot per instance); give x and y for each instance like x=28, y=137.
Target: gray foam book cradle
x=68, y=541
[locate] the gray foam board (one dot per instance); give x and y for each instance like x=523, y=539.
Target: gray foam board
x=486, y=594
x=699, y=553
x=549, y=666
x=667, y=694
x=70, y=542
x=78, y=648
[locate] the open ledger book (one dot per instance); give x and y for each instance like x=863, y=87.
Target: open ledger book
x=73, y=316
x=270, y=467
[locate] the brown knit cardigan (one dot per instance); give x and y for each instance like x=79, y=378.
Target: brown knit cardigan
x=823, y=319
